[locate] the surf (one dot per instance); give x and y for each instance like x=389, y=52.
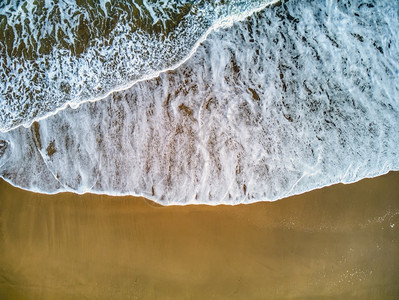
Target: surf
x=56, y=55
x=290, y=99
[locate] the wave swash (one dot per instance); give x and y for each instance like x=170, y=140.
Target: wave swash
x=294, y=97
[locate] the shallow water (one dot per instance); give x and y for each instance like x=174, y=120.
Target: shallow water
x=55, y=53
x=293, y=98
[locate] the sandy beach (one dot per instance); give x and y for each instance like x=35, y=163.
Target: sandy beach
x=215, y=102
x=337, y=242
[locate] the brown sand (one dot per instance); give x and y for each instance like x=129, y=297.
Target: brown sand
x=339, y=242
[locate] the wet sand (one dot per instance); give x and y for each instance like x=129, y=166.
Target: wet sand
x=338, y=242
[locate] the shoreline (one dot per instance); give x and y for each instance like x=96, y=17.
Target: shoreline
x=338, y=241
x=152, y=198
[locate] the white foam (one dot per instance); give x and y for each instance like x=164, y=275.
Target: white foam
x=102, y=69
x=293, y=99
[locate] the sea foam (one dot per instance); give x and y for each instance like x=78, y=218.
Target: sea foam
x=62, y=53
x=294, y=98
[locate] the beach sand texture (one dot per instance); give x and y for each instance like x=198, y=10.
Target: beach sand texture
x=337, y=242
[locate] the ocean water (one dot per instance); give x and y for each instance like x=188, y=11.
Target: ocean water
x=56, y=53
x=224, y=102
